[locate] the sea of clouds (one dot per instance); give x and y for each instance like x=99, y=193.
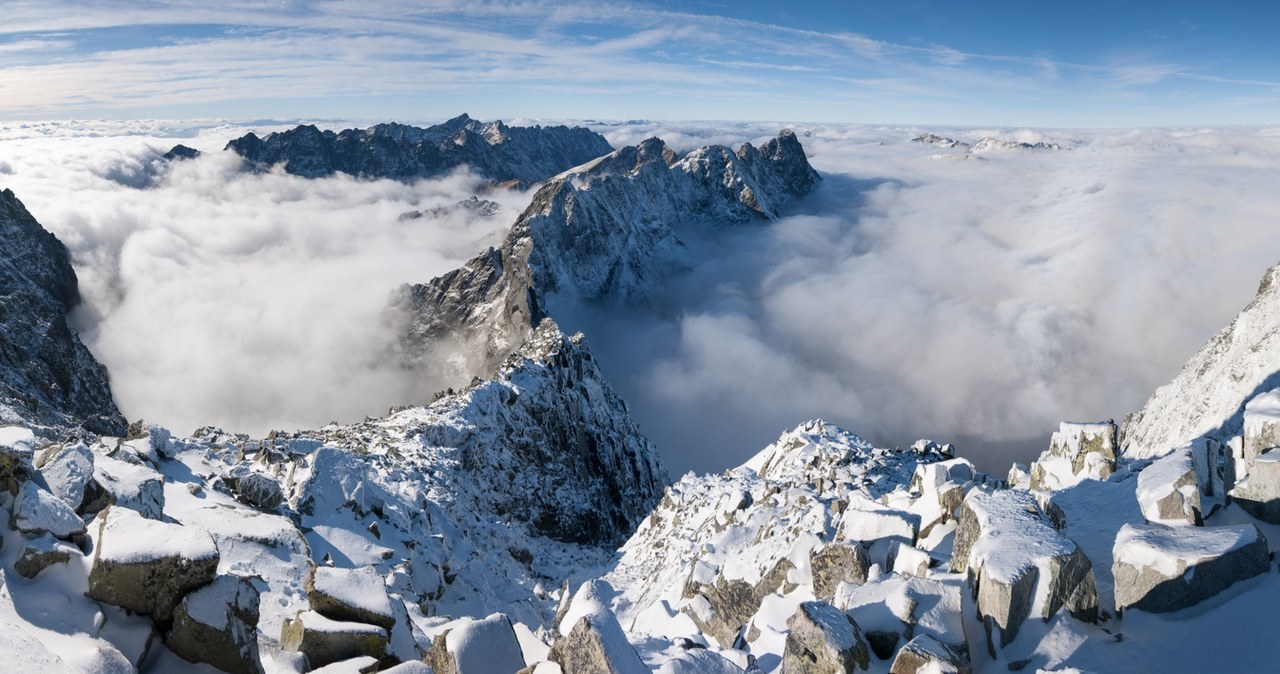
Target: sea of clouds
x=915, y=293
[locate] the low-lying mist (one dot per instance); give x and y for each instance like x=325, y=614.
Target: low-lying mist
x=251, y=302
x=914, y=294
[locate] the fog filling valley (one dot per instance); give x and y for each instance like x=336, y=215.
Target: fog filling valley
x=914, y=294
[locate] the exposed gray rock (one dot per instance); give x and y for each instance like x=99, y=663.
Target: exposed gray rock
x=477, y=647
x=1259, y=494
x=46, y=374
x=1076, y=452
x=147, y=566
x=350, y=595
x=926, y=655
x=726, y=605
x=326, y=641
x=259, y=491
x=41, y=553
x=835, y=563
x=1161, y=569
x=218, y=625
x=1009, y=548
x=523, y=155
x=1170, y=490
x=596, y=646
x=823, y=640
x=180, y=152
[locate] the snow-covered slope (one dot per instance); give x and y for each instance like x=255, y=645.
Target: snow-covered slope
x=501, y=153
x=47, y=376
x=1208, y=396
x=606, y=231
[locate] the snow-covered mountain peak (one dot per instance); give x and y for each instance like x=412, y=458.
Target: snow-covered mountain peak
x=1208, y=396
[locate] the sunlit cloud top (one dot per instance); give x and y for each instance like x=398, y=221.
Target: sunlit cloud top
x=1084, y=64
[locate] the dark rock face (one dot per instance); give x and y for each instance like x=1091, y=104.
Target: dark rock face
x=501, y=153
x=549, y=427
x=181, y=152
x=608, y=233
x=47, y=376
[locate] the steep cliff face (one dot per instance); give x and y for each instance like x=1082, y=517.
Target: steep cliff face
x=1209, y=394
x=494, y=150
x=605, y=232
x=47, y=376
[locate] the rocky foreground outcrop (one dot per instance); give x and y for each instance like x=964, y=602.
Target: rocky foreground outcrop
x=47, y=376
x=501, y=153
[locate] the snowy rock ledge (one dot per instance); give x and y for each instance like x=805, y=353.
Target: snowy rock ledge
x=1076, y=452
x=148, y=566
x=1161, y=569
x=1018, y=565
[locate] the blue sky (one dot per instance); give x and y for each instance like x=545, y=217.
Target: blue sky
x=1077, y=64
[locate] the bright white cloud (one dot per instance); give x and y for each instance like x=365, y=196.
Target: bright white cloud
x=220, y=297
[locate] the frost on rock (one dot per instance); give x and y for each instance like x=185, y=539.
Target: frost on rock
x=1259, y=493
x=1208, y=397
x=477, y=647
x=1160, y=569
x=823, y=640
x=1018, y=565
x=218, y=624
x=147, y=566
x=1076, y=452
x=835, y=563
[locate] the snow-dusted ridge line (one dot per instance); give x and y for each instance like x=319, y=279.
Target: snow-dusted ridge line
x=503, y=154
x=607, y=231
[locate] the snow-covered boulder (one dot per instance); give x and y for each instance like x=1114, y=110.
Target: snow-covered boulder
x=590, y=638
x=1018, y=565
x=1184, y=486
x=147, y=566
x=867, y=521
x=353, y=595
x=1161, y=569
x=823, y=640
x=1259, y=493
x=36, y=511
x=892, y=609
x=481, y=646
x=17, y=445
x=68, y=470
x=41, y=553
x=131, y=485
x=259, y=491
x=1076, y=452
x=218, y=624
x=1261, y=424
x=158, y=438
x=940, y=488
x=836, y=563
x=324, y=641
x=699, y=661
x=926, y=655
x=1019, y=477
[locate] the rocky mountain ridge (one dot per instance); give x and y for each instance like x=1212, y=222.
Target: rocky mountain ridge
x=47, y=376
x=606, y=232
x=493, y=150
